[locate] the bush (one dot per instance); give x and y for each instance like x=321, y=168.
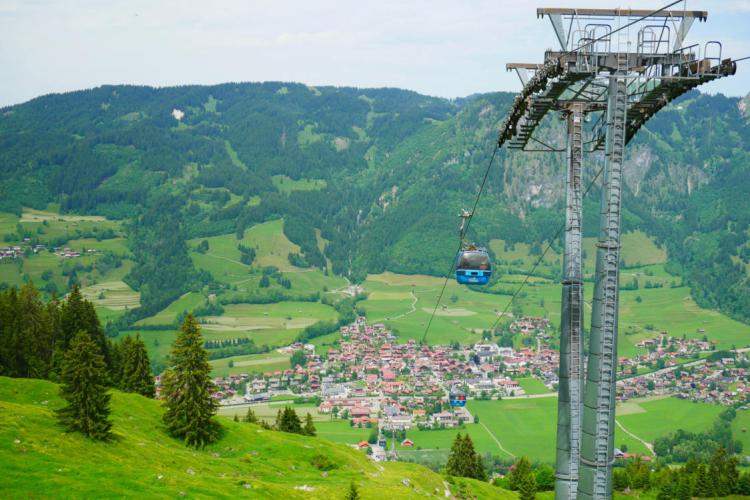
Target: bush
x=322, y=462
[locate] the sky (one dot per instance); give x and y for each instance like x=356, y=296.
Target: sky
x=448, y=48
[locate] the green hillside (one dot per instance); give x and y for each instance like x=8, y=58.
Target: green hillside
x=354, y=181
x=39, y=460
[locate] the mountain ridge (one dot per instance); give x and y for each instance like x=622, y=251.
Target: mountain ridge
x=396, y=167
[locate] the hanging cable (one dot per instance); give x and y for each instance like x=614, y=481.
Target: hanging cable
x=460, y=244
x=541, y=258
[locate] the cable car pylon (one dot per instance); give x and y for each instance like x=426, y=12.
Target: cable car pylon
x=624, y=82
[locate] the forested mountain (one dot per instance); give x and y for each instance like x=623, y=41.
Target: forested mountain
x=381, y=173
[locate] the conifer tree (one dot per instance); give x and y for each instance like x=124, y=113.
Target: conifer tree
x=353, y=493
x=72, y=317
x=79, y=314
x=34, y=334
x=703, y=487
x=236, y=418
x=188, y=388
x=521, y=469
x=289, y=421
x=463, y=461
x=456, y=465
x=9, y=341
x=116, y=350
x=250, y=416
x=527, y=487
x=684, y=489
x=309, y=428
x=83, y=387
x=136, y=369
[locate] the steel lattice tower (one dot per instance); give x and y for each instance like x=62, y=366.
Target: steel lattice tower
x=617, y=81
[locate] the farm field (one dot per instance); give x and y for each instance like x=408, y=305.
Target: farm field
x=659, y=417
x=288, y=315
x=533, y=386
x=222, y=259
x=267, y=411
x=114, y=295
x=339, y=431
x=168, y=315
x=528, y=426
x=272, y=247
x=405, y=302
x=250, y=363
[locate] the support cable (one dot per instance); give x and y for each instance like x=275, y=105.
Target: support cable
x=541, y=257
x=460, y=244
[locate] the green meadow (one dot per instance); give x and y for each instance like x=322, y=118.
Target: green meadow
x=251, y=363
x=168, y=315
x=527, y=427
x=405, y=303
x=287, y=185
x=39, y=460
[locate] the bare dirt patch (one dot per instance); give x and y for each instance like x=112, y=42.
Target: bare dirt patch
x=450, y=312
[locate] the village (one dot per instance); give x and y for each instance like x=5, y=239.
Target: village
x=371, y=380
x=19, y=252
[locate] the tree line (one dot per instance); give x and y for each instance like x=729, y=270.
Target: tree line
x=36, y=336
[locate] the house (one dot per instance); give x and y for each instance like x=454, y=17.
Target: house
x=407, y=443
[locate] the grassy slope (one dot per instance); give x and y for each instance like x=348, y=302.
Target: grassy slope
x=39, y=460
x=670, y=309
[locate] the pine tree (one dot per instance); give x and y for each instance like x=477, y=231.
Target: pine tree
x=309, y=428
x=72, y=318
x=455, y=465
x=10, y=350
x=34, y=336
x=289, y=421
x=684, y=489
x=478, y=471
x=521, y=469
x=353, y=493
x=136, y=373
x=83, y=387
x=236, y=418
x=250, y=416
x=463, y=461
x=527, y=487
x=188, y=388
x=703, y=486
x=78, y=314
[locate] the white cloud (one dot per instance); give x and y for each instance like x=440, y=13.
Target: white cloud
x=439, y=47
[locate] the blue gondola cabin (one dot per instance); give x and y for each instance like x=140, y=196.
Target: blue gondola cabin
x=457, y=398
x=473, y=267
